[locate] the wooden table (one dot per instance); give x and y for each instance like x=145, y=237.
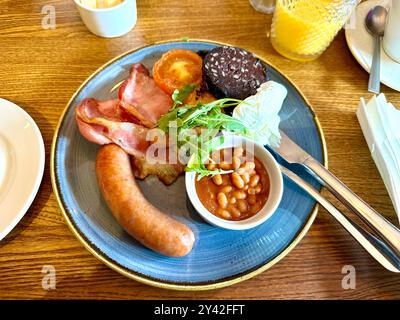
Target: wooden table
x=40, y=70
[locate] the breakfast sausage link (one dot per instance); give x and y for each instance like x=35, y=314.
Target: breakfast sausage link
x=133, y=212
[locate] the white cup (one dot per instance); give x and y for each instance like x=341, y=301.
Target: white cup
x=109, y=22
x=391, y=39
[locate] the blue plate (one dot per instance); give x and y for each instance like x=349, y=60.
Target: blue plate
x=220, y=257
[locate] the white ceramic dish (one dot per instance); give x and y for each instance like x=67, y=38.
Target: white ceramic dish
x=391, y=40
x=274, y=198
x=109, y=22
x=361, y=45
x=22, y=160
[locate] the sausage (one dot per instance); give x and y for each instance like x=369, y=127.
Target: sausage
x=134, y=213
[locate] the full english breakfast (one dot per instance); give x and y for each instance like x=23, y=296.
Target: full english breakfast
x=188, y=97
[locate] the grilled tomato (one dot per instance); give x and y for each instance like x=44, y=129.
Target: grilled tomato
x=178, y=68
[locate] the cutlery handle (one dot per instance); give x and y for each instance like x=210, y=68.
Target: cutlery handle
x=371, y=244
x=374, y=84
x=382, y=227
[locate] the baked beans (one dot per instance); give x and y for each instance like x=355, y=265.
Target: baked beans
x=236, y=195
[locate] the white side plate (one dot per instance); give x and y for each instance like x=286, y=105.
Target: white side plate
x=22, y=160
x=361, y=45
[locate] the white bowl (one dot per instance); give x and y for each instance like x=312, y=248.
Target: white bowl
x=275, y=194
x=109, y=22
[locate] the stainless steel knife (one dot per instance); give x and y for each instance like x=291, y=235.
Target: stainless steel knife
x=293, y=153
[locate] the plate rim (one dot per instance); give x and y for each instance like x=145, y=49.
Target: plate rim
x=147, y=279
x=355, y=51
x=38, y=176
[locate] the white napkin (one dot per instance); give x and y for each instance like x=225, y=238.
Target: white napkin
x=380, y=123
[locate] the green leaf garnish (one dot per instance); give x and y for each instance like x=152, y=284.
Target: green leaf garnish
x=198, y=159
x=179, y=96
x=211, y=119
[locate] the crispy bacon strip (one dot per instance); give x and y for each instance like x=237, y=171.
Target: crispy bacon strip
x=101, y=123
x=126, y=122
x=140, y=97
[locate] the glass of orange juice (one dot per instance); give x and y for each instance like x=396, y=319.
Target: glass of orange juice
x=303, y=29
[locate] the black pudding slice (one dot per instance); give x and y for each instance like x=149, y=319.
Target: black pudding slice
x=233, y=72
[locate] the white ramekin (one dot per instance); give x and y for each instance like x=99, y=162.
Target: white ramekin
x=109, y=22
x=274, y=198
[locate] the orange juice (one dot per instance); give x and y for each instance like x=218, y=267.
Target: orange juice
x=303, y=29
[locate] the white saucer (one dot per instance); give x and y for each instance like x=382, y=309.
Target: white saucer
x=361, y=45
x=21, y=164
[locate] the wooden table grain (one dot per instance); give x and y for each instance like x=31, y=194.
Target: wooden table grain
x=41, y=68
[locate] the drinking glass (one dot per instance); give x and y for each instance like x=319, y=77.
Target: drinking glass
x=303, y=29
x=264, y=6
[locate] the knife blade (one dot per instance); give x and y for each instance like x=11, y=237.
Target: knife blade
x=291, y=151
